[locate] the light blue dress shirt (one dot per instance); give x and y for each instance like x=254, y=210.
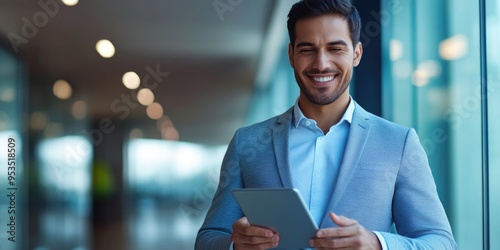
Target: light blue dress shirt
x=315, y=160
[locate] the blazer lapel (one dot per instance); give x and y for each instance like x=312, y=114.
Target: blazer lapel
x=356, y=140
x=280, y=130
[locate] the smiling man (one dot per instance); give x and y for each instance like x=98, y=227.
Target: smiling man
x=358, y=173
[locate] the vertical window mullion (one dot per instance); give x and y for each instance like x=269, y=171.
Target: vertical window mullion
x=484, y=126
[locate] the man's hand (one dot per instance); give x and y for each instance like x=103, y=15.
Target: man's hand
x=246, y=236
x=349, y=235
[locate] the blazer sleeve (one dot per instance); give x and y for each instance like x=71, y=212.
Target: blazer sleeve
x=419, y=216
x=215, y=233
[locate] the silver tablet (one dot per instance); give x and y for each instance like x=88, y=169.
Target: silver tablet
x=281, y=210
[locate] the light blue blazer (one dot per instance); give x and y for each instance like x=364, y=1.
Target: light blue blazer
x=384, y=178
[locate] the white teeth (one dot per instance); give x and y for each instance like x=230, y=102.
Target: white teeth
x=323, y=79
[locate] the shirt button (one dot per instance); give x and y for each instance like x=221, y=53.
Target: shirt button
x=308, y=123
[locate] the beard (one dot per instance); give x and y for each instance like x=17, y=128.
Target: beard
x=321, y=96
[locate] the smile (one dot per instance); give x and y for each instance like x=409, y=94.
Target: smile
x=323, y=79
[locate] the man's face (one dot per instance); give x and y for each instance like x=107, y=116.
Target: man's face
x=323, y=58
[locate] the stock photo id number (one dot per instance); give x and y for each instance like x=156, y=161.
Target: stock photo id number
x=11, y=189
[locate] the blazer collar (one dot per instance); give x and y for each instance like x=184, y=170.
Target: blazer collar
x=356, y=140
x=280, y=130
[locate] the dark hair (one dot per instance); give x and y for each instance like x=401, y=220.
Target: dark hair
x=312, y=8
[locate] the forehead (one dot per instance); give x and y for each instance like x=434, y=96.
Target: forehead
x=324, y=28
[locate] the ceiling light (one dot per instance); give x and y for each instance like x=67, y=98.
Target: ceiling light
x=105, y=48
x=145, y=97
x=70, y=2
x=155, y=111
x=79, y=110
x=170, y=133
x=396, y=50
x=62, y=90
x=420, y=78
x=433, y=68
x=454, y=47
x=164, y=122
x=131, y=80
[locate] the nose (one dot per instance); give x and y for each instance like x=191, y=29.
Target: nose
x=321, y=62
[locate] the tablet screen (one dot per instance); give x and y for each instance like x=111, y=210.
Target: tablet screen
x=281, y=210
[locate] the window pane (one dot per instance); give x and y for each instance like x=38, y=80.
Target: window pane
x=13, y=217
x=170, y=186
x=493, y=66
x=432, y=83
x=64, y=189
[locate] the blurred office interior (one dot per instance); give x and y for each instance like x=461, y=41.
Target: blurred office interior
x=120, y=149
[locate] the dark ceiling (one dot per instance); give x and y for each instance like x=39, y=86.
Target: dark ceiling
x=210, y=49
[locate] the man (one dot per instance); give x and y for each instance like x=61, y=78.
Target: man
x=357, y=172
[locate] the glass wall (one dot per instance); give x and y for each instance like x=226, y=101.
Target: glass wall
x=278, y=94
x=432, y=68
x=432, y=81
x=60, y=166
x=63, y=187
x=170, y=186
x=55, y=214
x=12, y=148
x=493, y=67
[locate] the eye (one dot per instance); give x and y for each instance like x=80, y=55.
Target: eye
x=306, y=51
x=335, y=49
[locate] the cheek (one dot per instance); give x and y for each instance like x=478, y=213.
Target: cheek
x=298, y=63
x=302, y=61
x=345, y=64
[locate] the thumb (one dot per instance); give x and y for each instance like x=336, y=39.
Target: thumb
x=244, y=221
x=240, y=224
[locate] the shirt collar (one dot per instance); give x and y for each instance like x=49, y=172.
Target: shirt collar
x=299, y=116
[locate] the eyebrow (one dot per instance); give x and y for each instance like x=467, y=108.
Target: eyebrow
x=305, y=44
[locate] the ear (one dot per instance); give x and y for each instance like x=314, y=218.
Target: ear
x=358, y=53
x=290, y=54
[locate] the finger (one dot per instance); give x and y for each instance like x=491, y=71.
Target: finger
x=364, y=241
x=342, y=220
x=242, y=226
x=253, y=240
x=335, y=243
x=338, y=232
x=348, y=227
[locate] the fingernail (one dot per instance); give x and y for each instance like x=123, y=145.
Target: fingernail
x=319, y=234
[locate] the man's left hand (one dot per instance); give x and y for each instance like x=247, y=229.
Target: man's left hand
x=349, y=235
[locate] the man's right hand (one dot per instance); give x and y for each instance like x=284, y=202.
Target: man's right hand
x=246, y=236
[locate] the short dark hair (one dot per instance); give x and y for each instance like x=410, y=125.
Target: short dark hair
x=312, y=8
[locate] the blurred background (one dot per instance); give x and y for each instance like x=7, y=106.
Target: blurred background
x=120, y=111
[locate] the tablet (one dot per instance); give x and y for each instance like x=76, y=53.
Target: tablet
x=281, y=210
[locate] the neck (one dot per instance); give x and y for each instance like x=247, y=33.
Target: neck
x=324, y=115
